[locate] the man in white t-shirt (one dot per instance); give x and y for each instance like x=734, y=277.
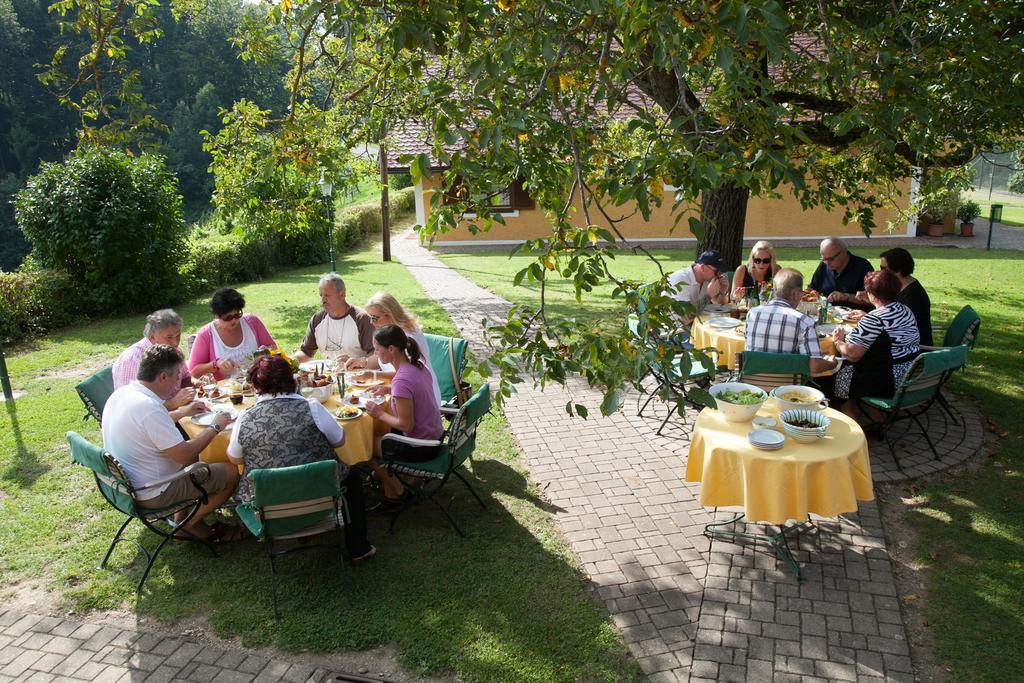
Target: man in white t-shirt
x=340, y=330
x=701, y=282
x=140, y=433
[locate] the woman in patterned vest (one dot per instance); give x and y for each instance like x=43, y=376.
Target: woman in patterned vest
x=284, y=429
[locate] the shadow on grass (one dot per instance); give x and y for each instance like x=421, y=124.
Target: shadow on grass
x=505, y=602
x=25, y=468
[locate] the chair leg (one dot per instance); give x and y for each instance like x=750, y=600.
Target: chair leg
x=152, y=559
x=273, y=578
x=471, y=489
x=113, y=542
x=926, y=437
x=451, y=520
x=668, y=417
x=948, y=408
x=650, y=397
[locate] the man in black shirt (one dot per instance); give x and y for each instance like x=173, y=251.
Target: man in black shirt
x=840, y=275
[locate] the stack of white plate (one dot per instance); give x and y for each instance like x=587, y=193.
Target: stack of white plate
x=766, y=439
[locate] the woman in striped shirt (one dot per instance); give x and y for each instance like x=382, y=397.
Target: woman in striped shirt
x=880, y=349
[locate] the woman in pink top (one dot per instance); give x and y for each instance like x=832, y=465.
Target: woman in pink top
x=414, y=409
x=230, y=340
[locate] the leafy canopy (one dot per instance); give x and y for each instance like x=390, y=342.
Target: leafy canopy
x=596, y=105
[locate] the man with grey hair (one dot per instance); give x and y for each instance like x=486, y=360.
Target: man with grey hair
x=162, y=327
x=840, y=275
x=778, y=327
x=339, y=330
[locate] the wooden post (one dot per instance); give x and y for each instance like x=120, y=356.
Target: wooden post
x=385, y=208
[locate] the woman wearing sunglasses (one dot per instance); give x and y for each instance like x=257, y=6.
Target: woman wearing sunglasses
x=759, y=269
x=230, y=340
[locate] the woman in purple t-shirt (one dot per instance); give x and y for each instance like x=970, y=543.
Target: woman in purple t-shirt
x=414, y=408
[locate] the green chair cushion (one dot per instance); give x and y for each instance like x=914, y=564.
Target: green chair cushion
x=441, y=363
x=95, y=390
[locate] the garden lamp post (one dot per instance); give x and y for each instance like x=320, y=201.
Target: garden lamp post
x=5, y=379
x=326, y=189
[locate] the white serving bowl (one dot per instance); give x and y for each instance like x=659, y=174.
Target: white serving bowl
x=815, y=399
x=805, y=434
x=737, y=412
x=319, y=393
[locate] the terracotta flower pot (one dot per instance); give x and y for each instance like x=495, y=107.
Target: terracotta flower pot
x=967, y=229
x=936, y=230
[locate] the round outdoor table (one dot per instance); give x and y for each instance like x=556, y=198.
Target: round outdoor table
x=359, y=433
x=826, y=477
x=729, y=342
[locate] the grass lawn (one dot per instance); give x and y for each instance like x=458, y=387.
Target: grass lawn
x=1013, y=206
x=971, y=526
x=507, y=603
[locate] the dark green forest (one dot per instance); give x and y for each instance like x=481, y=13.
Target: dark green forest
x=186, y=75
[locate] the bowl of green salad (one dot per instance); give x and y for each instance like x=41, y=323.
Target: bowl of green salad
x=738, y=402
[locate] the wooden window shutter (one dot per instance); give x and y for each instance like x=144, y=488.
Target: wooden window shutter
x=521, y=199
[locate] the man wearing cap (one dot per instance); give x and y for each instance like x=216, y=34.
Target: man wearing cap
x=701, y=282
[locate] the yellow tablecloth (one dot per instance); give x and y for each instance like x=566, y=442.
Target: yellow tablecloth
x=827, y=477
x=730, y=342
x=358, y=446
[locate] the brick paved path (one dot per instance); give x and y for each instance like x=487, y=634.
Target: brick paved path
x=43, y=649
x=688, y=608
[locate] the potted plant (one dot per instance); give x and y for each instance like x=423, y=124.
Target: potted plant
x=967, y=212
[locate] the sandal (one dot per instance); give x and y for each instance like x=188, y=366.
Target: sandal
x=387, y=505
x=362, y=559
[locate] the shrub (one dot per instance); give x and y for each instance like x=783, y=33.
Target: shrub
x=33, y=301
x=112, y=222
x=968, y=211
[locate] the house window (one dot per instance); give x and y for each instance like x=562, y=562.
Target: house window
x=512, y=199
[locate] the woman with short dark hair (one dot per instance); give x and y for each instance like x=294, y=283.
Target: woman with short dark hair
x=912, y=294
x=284, y=429
x=230, y=340
x=880, y=349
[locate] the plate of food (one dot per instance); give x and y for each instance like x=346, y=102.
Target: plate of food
x=348, y=412
x=364, y=379
x=840, y=311
x=809, y=295
x=316, y=366
x=205, y=419
x=719, y=308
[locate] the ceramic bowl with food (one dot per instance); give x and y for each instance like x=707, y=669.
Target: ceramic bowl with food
x=319, y=393
x=737, y=401
x=796, y=397
x=805, y=426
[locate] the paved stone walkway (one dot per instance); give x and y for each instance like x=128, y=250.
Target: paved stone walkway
x=42, y=649
x=691, y=609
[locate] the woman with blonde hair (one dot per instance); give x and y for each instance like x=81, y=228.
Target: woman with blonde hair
x=384, y=309
x=760, y=268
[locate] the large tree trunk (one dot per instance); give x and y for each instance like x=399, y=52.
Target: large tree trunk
x=724, y=212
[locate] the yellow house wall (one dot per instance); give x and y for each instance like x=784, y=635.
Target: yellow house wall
x=783, y=217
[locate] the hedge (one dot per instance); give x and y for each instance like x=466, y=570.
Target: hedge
x=34, y=300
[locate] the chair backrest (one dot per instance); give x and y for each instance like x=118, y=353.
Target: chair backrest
x=293, y=498
x=95, y=390
x=460, y=439
x=963, y=329
x=448, y=361
x=772, y=370
x=927, y=374
x=110, y=478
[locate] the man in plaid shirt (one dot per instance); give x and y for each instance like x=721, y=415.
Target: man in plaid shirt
x=778, y=327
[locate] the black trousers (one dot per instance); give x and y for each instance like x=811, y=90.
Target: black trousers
x=355, y=530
